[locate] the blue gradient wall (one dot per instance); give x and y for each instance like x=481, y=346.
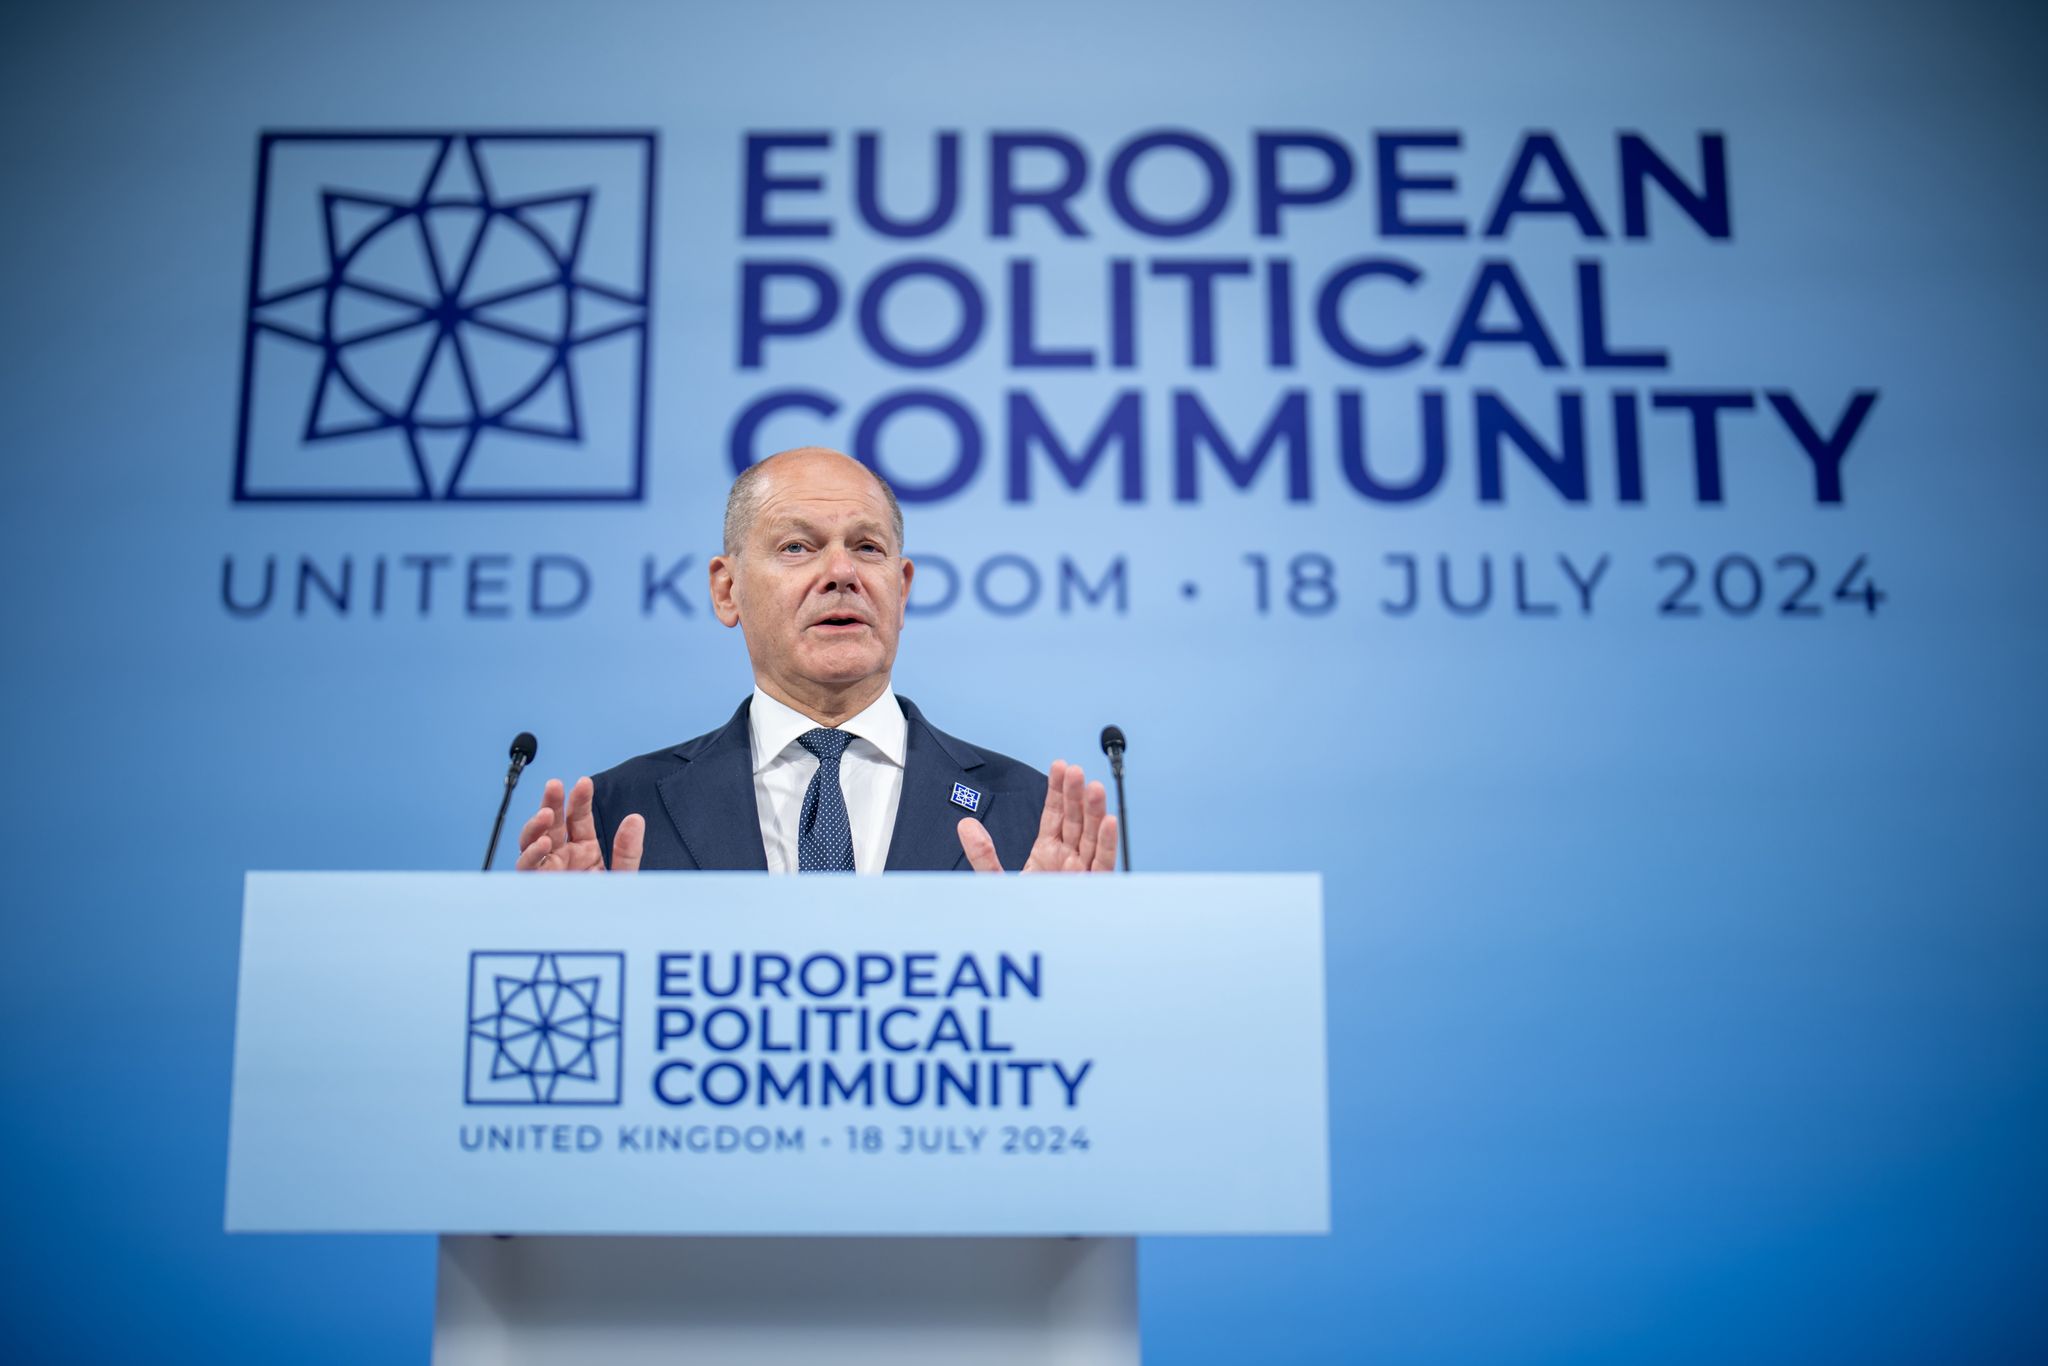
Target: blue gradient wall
x=1689, y=971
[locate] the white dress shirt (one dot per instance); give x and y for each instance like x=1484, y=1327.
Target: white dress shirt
x=870, y=774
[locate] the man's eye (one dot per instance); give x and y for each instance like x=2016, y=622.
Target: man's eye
x=788, y=546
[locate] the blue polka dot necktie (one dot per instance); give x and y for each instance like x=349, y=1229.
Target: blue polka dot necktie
x=824, y=836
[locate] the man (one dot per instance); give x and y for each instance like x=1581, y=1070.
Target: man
x=823, y=768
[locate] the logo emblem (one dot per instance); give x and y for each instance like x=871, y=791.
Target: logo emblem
x=544, y=1028
x=963, y=795
x=447, y=316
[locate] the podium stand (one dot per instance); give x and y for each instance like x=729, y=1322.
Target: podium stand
x=729, y=1118
x=742, y=1301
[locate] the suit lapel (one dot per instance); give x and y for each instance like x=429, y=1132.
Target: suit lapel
x=710, y=800
x=925, y=838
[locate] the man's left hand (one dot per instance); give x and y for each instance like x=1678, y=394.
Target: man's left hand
x=1075, y=832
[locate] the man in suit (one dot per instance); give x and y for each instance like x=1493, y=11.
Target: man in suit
x=823, y=768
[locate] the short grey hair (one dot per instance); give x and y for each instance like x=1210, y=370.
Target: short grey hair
x=743, y=503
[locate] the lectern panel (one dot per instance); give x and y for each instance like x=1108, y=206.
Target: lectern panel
x=739, y=1054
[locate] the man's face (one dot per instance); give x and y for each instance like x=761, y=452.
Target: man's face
x=820, y=584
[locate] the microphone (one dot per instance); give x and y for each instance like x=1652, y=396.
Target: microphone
x=1113, y=746
x=524, y=747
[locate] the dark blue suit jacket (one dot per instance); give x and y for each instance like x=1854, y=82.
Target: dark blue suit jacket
x=698, y=799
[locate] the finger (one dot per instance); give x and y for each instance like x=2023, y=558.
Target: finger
x=629, y=843
x=980, y=849
x=1046, y=853
x=1095, y=802
x=1052, y=817
x=1105, y=847
x=1070, y=830
x=534, y=853
x=582, y=824
x=551, y=797
x=551, y=802
x=538, y=824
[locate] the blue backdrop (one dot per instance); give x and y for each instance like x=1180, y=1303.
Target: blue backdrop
x=1563, y=472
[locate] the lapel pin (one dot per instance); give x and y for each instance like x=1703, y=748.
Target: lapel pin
x=963, y=795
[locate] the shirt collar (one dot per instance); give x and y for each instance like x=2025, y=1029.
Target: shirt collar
x=773, y=727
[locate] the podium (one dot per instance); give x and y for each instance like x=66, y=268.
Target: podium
x=734, y=1118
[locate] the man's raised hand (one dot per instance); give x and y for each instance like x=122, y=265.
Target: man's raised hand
x=562, y=838
x=1075, y=832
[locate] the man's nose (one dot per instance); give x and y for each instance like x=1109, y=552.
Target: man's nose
x=841, y=569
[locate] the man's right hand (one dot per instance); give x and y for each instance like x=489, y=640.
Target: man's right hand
x=559, y=840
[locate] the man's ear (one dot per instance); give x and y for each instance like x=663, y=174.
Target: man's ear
x=903, y=605
x=723, y=570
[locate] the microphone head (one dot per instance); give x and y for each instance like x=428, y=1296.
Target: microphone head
x=1112, y=740
x=524, y=747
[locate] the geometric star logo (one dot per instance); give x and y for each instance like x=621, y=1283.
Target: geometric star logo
x=544, y=1028
x=443, y=310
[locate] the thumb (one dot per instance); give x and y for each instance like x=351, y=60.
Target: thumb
x=628, y=844
x=981, y=850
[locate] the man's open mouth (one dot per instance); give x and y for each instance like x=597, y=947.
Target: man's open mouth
x=839, y=621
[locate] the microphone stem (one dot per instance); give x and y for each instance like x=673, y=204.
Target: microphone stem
x=498, y=825
x=1123, y=824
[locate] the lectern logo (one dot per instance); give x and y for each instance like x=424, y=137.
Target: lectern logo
x=447, y=316
x=544, y=1028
